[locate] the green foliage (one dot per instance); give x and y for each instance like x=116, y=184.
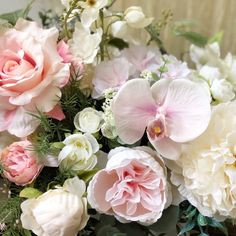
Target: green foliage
x=30, y=192
x=216, y=38
x=183, y=29
x=192, y=219
x=12, y=17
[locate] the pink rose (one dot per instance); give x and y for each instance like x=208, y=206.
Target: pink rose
x=20, y=165
x=31, y=75
x=133, y=186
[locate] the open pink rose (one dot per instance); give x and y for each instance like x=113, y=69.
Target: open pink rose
x=20, y=165
x=31, y=75
x=132, y=187
x=171, y=111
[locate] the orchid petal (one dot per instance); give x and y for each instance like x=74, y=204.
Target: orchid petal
x=133, y=107
x=188, y=110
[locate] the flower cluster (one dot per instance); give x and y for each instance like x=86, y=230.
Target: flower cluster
x=92, y=114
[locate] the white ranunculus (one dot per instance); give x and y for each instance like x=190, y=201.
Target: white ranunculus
x=135, y=17
x=221, y=90
x=58, y=212
x=79, y=153
x=206, y=171
x=91, y=10
x=85, y=45
x=88, y=120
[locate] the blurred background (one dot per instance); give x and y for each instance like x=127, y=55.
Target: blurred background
x=211, y=17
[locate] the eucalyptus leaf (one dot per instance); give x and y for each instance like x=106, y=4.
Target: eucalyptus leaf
x=187, y=227
x=201, y=220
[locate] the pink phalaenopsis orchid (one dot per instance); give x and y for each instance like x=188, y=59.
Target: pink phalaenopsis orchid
x=171, y=111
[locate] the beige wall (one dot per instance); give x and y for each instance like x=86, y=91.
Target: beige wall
x=211, y=15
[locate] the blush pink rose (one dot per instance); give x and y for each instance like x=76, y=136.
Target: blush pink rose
x=31, y=75
x=132, y=187
x=20, y=165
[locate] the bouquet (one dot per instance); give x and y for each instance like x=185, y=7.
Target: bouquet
x=103, y=132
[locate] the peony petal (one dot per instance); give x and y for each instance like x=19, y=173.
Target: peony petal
x=133, y=107
x=188, y=110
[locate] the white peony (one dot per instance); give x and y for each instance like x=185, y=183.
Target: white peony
x=88, y=120
x=79, y=153
x=206, y=171
x=84, y=44
x=58, y=212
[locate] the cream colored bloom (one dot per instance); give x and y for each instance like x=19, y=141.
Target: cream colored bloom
x=206, y=171
x=85, y=45
x=135, y=17
x=79, y=153
x=58, y=212
x=91, y=11
x=88, y=120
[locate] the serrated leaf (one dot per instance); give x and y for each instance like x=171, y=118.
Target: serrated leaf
x=12, y=17
x=30, y=193
x=201, y=220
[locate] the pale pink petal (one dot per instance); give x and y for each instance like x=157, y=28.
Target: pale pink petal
x=187, y=110
x=97, y=188
x=22, y=123
x=56, y=113
x=167, y=148
x=133, y=107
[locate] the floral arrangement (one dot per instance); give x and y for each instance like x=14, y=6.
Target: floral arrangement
x=105, y=133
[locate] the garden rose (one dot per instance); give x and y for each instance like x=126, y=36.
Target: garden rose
x=20, y=165
x=88, y=120
x=206, y=171
x=133, y=186
x=31, y=75
x=79, y=153
x=58, y=212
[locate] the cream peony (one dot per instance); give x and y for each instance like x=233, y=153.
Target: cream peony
x=88, y=120
x=206, y=171
x=79, y=153
x=58, y=212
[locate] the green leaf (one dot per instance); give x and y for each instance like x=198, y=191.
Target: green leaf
x=108, y=230
x=12, y=17
x=201, y=220
x=216, y=38
x=30, y=193
x=193, y=37
x=215, y=224
x=192, y=213
x=87, y=175
x=187, y=227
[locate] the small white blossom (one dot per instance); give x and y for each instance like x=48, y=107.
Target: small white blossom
x=88, y=120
